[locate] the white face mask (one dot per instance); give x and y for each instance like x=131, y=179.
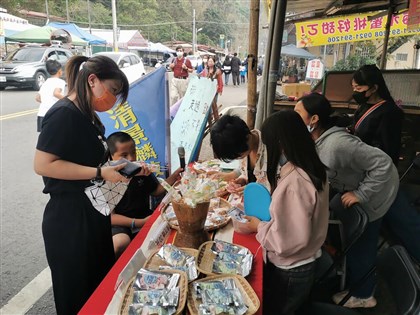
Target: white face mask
x=310, y=129
x=205, y=60
x=179, y=53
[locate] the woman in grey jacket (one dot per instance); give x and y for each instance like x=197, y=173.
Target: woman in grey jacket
x=361, y=174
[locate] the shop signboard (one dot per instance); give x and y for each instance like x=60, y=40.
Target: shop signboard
x=315, y=69
x=350, y=28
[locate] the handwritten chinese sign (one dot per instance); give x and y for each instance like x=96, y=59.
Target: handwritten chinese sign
x=315, y=69
x=350, y=28
x=144, y=117
x=188, y=125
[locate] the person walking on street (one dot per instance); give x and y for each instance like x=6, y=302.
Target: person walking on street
x=227, y=69
x=51, y=91
x=235, y=64
x=181, y=66
x=203, y=65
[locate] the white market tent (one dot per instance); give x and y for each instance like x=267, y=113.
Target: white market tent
x=159, y=47
x=11, y=24
x=127, y=39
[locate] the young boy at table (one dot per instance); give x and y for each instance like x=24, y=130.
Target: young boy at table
x=133, y=210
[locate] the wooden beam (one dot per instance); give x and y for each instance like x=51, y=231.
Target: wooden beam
x=253, y=62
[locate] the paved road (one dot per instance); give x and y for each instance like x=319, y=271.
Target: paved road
x=22, y=204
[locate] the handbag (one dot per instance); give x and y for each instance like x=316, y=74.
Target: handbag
x=105, y=195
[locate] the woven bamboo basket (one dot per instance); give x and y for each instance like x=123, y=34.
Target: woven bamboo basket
x=206, y=257
x=183, y=293
x=223, y=204
x=248, y=294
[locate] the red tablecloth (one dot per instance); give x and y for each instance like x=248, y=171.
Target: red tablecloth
x=100, y=299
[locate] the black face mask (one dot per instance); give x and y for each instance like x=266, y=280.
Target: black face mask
x=360, y=97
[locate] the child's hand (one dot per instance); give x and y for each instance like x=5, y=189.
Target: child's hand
x=236, y=186
x=144, y=171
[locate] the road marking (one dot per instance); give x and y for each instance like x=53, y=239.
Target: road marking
x=19, y=114
x=29, y=295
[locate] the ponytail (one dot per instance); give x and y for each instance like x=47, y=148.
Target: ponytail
x=72, y=71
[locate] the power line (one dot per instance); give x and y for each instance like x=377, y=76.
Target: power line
x=167, y=23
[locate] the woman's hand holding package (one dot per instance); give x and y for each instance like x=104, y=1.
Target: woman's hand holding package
x=111, y=174
x=251, y=226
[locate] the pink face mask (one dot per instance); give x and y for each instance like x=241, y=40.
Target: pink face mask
x=105, y=102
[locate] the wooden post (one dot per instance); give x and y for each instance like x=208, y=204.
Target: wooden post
x=386, y=38
x=252, y=62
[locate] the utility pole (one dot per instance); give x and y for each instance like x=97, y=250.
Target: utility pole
x=67, y=11
x=114, y=24
x=252, y=62
x=88, y=10
x=47, y=12
x=194, y=33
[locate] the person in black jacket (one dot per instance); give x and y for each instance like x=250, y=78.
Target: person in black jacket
x=378, y=120
x=235, y=64
x=227, y=69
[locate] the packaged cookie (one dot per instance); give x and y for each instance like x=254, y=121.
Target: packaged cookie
x=152, y=280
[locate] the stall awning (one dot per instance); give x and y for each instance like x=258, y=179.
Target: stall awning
x=73, y=29
x=292, y=51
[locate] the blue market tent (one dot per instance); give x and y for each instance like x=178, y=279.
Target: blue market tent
x=292, y=51
x=73, y=29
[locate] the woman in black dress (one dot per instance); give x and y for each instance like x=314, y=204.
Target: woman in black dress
x=69, y=153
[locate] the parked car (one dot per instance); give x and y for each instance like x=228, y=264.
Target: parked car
x=129, y=63
x=25, y=67
x=194, y=60
x=167, y=63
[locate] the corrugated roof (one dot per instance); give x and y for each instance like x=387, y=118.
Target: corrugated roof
x=309, y=9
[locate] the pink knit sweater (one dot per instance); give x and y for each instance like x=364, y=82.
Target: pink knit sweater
x=299, y=219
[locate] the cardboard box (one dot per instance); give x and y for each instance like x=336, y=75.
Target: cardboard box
x=290, y=89
x=303, y=89
x=296, y=89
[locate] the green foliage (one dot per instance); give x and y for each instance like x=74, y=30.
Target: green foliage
x=157, y=20
x=358, y=58
x=353, y=63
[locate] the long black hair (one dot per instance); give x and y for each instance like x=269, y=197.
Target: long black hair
x=78, y=70
x=285, y=132
x=318, y=104
x=370, y=75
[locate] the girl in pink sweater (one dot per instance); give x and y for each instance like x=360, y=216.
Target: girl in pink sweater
x=292, y=239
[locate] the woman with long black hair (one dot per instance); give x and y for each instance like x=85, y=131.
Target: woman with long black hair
x=360, y=174
x=292, y=239
x=378, y=120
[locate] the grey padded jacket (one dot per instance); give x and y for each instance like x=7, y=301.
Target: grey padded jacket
x=355, y=166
